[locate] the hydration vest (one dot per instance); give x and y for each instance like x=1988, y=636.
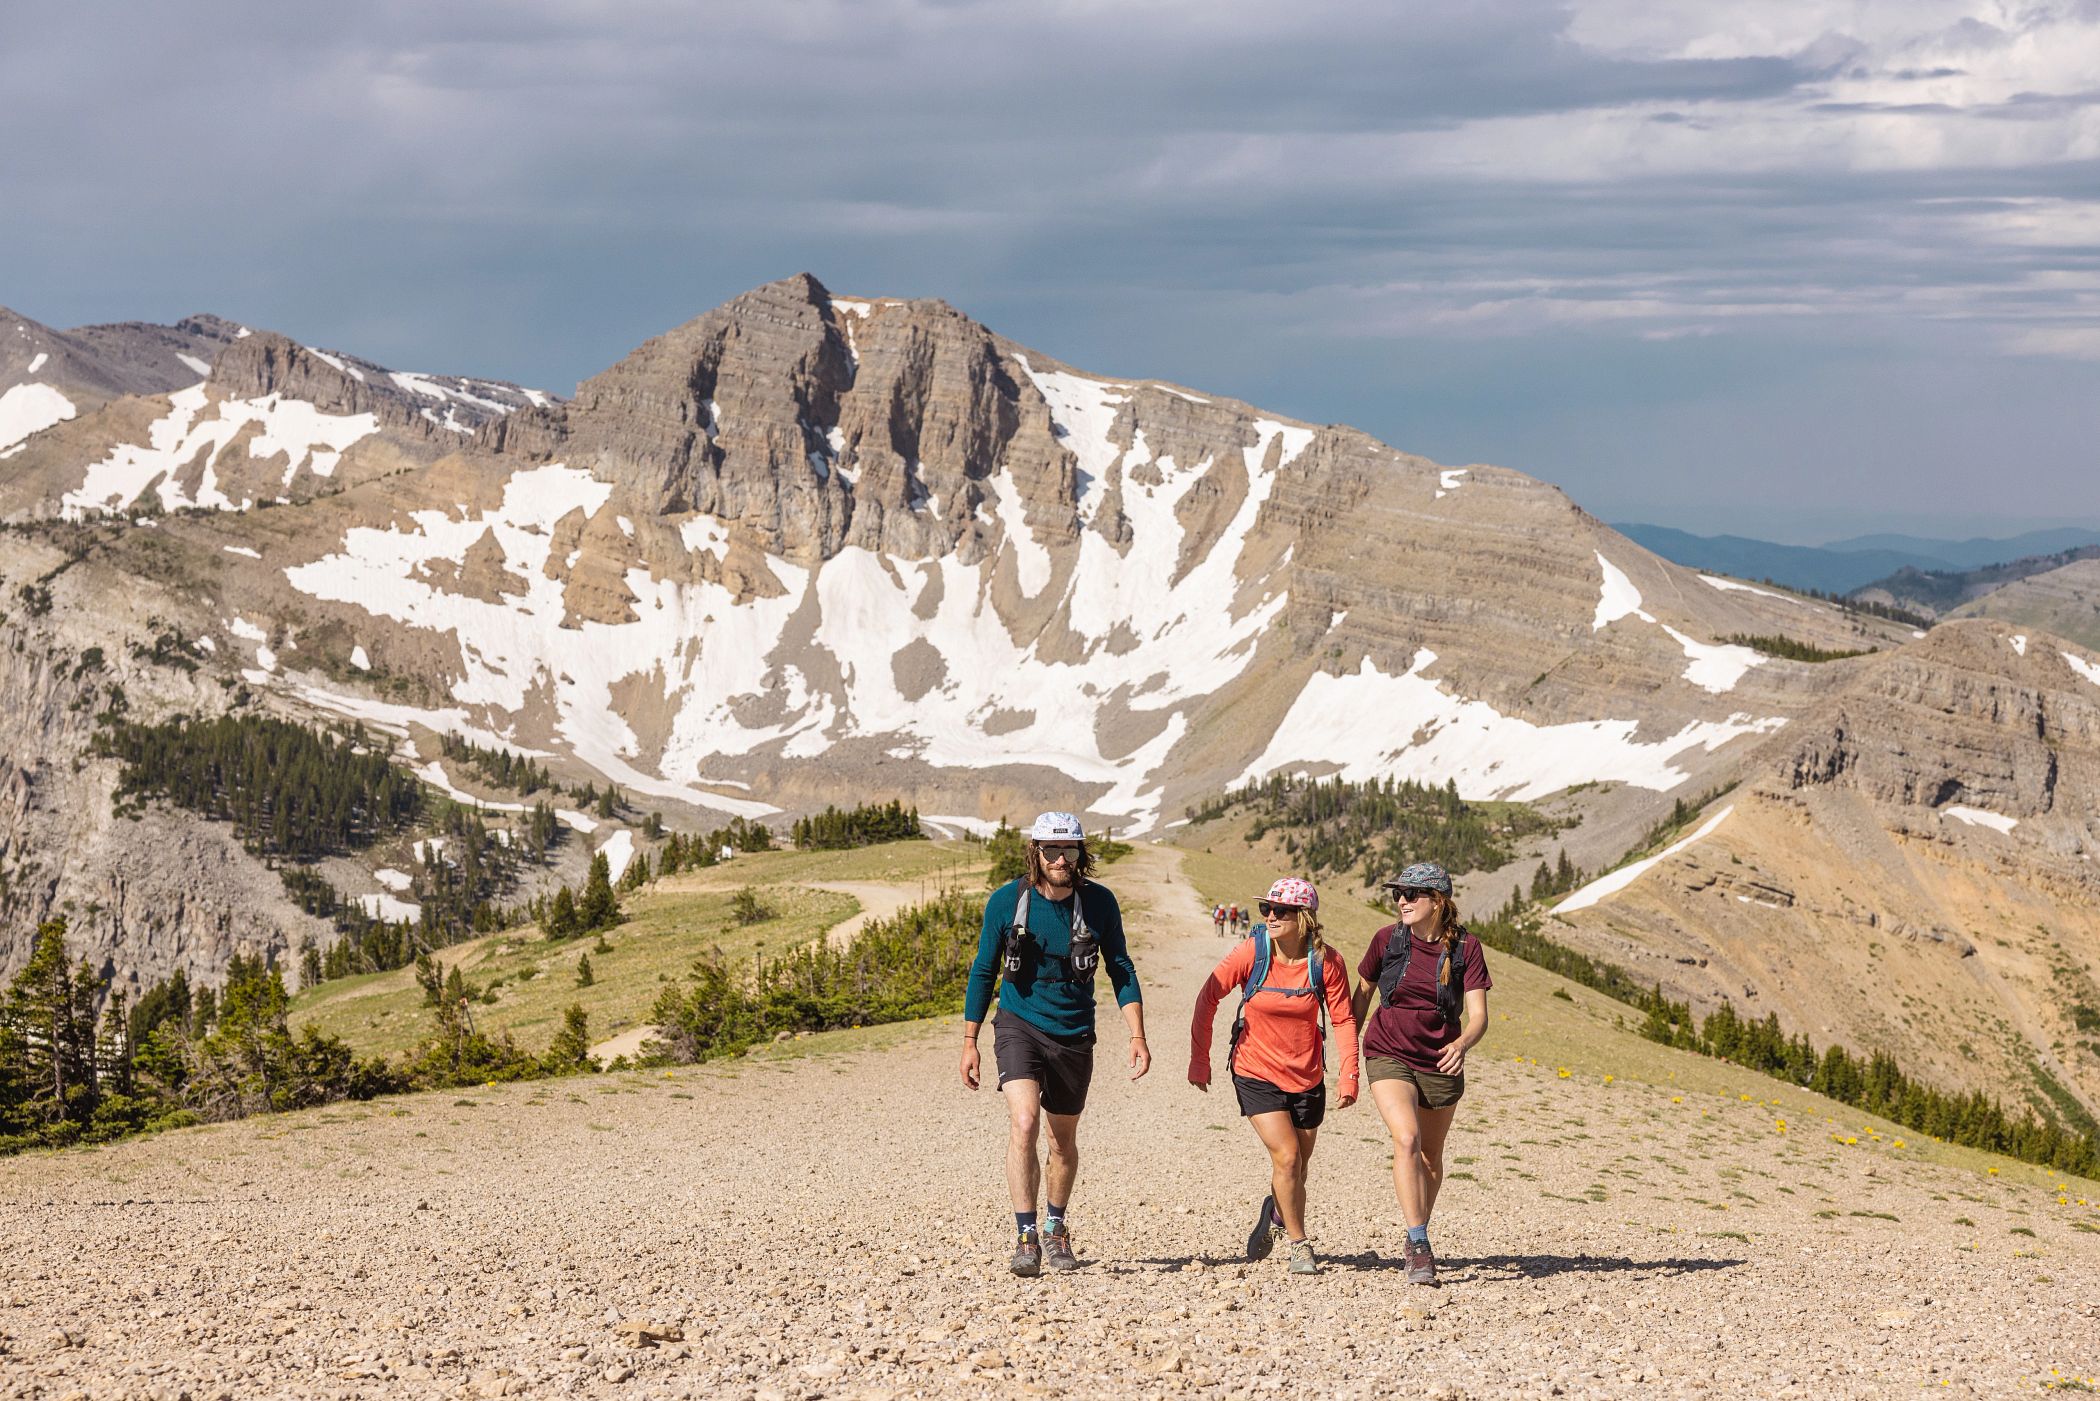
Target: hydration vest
x=1258, y=981
x=1080, y=963
x=1450, y=972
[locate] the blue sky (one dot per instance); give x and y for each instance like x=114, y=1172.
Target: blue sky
x=1799, y=269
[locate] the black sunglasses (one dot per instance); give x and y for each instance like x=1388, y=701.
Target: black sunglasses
x=1414, y=893
x=1059, y=853
x=1269, y=911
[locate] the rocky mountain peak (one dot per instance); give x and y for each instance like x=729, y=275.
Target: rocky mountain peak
x=1976, y=715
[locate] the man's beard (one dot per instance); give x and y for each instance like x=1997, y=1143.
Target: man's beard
x=1060, y=876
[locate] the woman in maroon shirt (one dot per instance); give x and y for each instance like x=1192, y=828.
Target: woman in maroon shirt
x=1425, y=968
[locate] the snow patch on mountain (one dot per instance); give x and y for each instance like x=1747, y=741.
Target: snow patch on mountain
x=38, y=362
x=1031, y=560
x=28, y=409
x=1376, y=726
x=1715, y=667
x=1731, y=586
x=339, y=365
x=1616, y=881
x=195, y=426
x=2089, y=670
x=389, y=907
x=618, y=852
x=687, y=635
x=1980, y=817
x=705, y=534
x=1083, y=413
x=1617, y=598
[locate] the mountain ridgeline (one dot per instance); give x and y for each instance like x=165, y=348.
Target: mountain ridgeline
x=821, y=568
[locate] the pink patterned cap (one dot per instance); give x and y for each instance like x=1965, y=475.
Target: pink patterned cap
x=1292, y=891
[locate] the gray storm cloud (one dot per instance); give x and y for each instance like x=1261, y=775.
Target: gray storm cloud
x=1682, y=262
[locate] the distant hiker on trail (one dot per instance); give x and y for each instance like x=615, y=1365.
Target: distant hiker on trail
x=1426, y=968
x=1217, y=919
x=1232, y=917
x=1043, y=943
x=1291, y=984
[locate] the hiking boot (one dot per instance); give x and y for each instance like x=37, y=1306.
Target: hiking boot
x=1266, y=1231
x=1028, y=1256
x=1421, y=1264
x=1057, y=1247
x=1302, y=1261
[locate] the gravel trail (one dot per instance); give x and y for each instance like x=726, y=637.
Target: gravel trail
x=833, y=1224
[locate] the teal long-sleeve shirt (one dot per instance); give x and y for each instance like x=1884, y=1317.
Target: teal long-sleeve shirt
x=1041, y=994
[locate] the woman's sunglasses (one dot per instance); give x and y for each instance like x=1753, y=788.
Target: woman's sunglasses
x=1413, y=894
x=1269, y=911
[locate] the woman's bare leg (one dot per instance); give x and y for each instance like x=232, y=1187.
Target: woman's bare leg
x=1402, y=1113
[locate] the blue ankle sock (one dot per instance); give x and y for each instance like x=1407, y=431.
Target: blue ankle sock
x=1054, y=1217
x=1418, y=1235
x=1024, y=1222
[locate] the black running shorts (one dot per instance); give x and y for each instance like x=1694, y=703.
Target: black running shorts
x=1024, y=1051
x=1307, y=1108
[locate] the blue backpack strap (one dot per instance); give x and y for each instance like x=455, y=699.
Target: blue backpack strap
x=1255, y=977
x=1259, y=973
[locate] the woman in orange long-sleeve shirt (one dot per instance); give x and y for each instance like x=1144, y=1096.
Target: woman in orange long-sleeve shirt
x=1278, y=1057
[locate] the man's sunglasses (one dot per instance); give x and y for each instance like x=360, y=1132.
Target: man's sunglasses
x=1413, y=893
x=1059, y=853
x=1269, y=911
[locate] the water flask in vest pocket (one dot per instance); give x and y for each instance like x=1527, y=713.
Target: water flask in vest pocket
x=1085, y=955
x=1013, y=950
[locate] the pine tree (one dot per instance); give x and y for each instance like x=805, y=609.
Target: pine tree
x=599, y=908
x=559, y=921
x=637, y=873
x=583, y=972
x=429, y=979
x=570, y=1050
x=42, y=1012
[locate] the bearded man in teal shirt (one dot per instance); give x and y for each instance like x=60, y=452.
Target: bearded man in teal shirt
x=1046, y=935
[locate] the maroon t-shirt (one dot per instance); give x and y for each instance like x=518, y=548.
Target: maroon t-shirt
x=1412, y=1031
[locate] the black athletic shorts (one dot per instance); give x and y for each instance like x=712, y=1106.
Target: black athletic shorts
x=1024, y=1051
x=1307, y=1108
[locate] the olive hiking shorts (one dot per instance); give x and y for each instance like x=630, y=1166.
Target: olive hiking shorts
x=1432, y=1090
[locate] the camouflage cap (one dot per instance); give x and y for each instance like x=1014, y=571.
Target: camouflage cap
x=1423, y=875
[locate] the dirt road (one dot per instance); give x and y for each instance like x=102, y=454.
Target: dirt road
x=835, y=1225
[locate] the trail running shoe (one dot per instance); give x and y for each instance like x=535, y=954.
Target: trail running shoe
x=1028, y=1256
x=1302, y=1261
x=1266, y=1231
x=1057, y=1247
x=1421, y=1264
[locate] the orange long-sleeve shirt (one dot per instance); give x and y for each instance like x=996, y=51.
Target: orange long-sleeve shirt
x=1282, y=1044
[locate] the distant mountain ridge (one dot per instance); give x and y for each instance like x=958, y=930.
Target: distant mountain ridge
x=1843, y=566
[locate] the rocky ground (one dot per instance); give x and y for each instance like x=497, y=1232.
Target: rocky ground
x=833, y=1224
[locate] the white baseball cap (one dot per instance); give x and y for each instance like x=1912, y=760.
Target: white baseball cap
x=1056, y=827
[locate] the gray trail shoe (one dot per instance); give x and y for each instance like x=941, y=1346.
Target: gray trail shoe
x=1057, y=1248
x=1302, y=1261
x=1421, y=1264
x=1266, y=1230
x=1028, y=1257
